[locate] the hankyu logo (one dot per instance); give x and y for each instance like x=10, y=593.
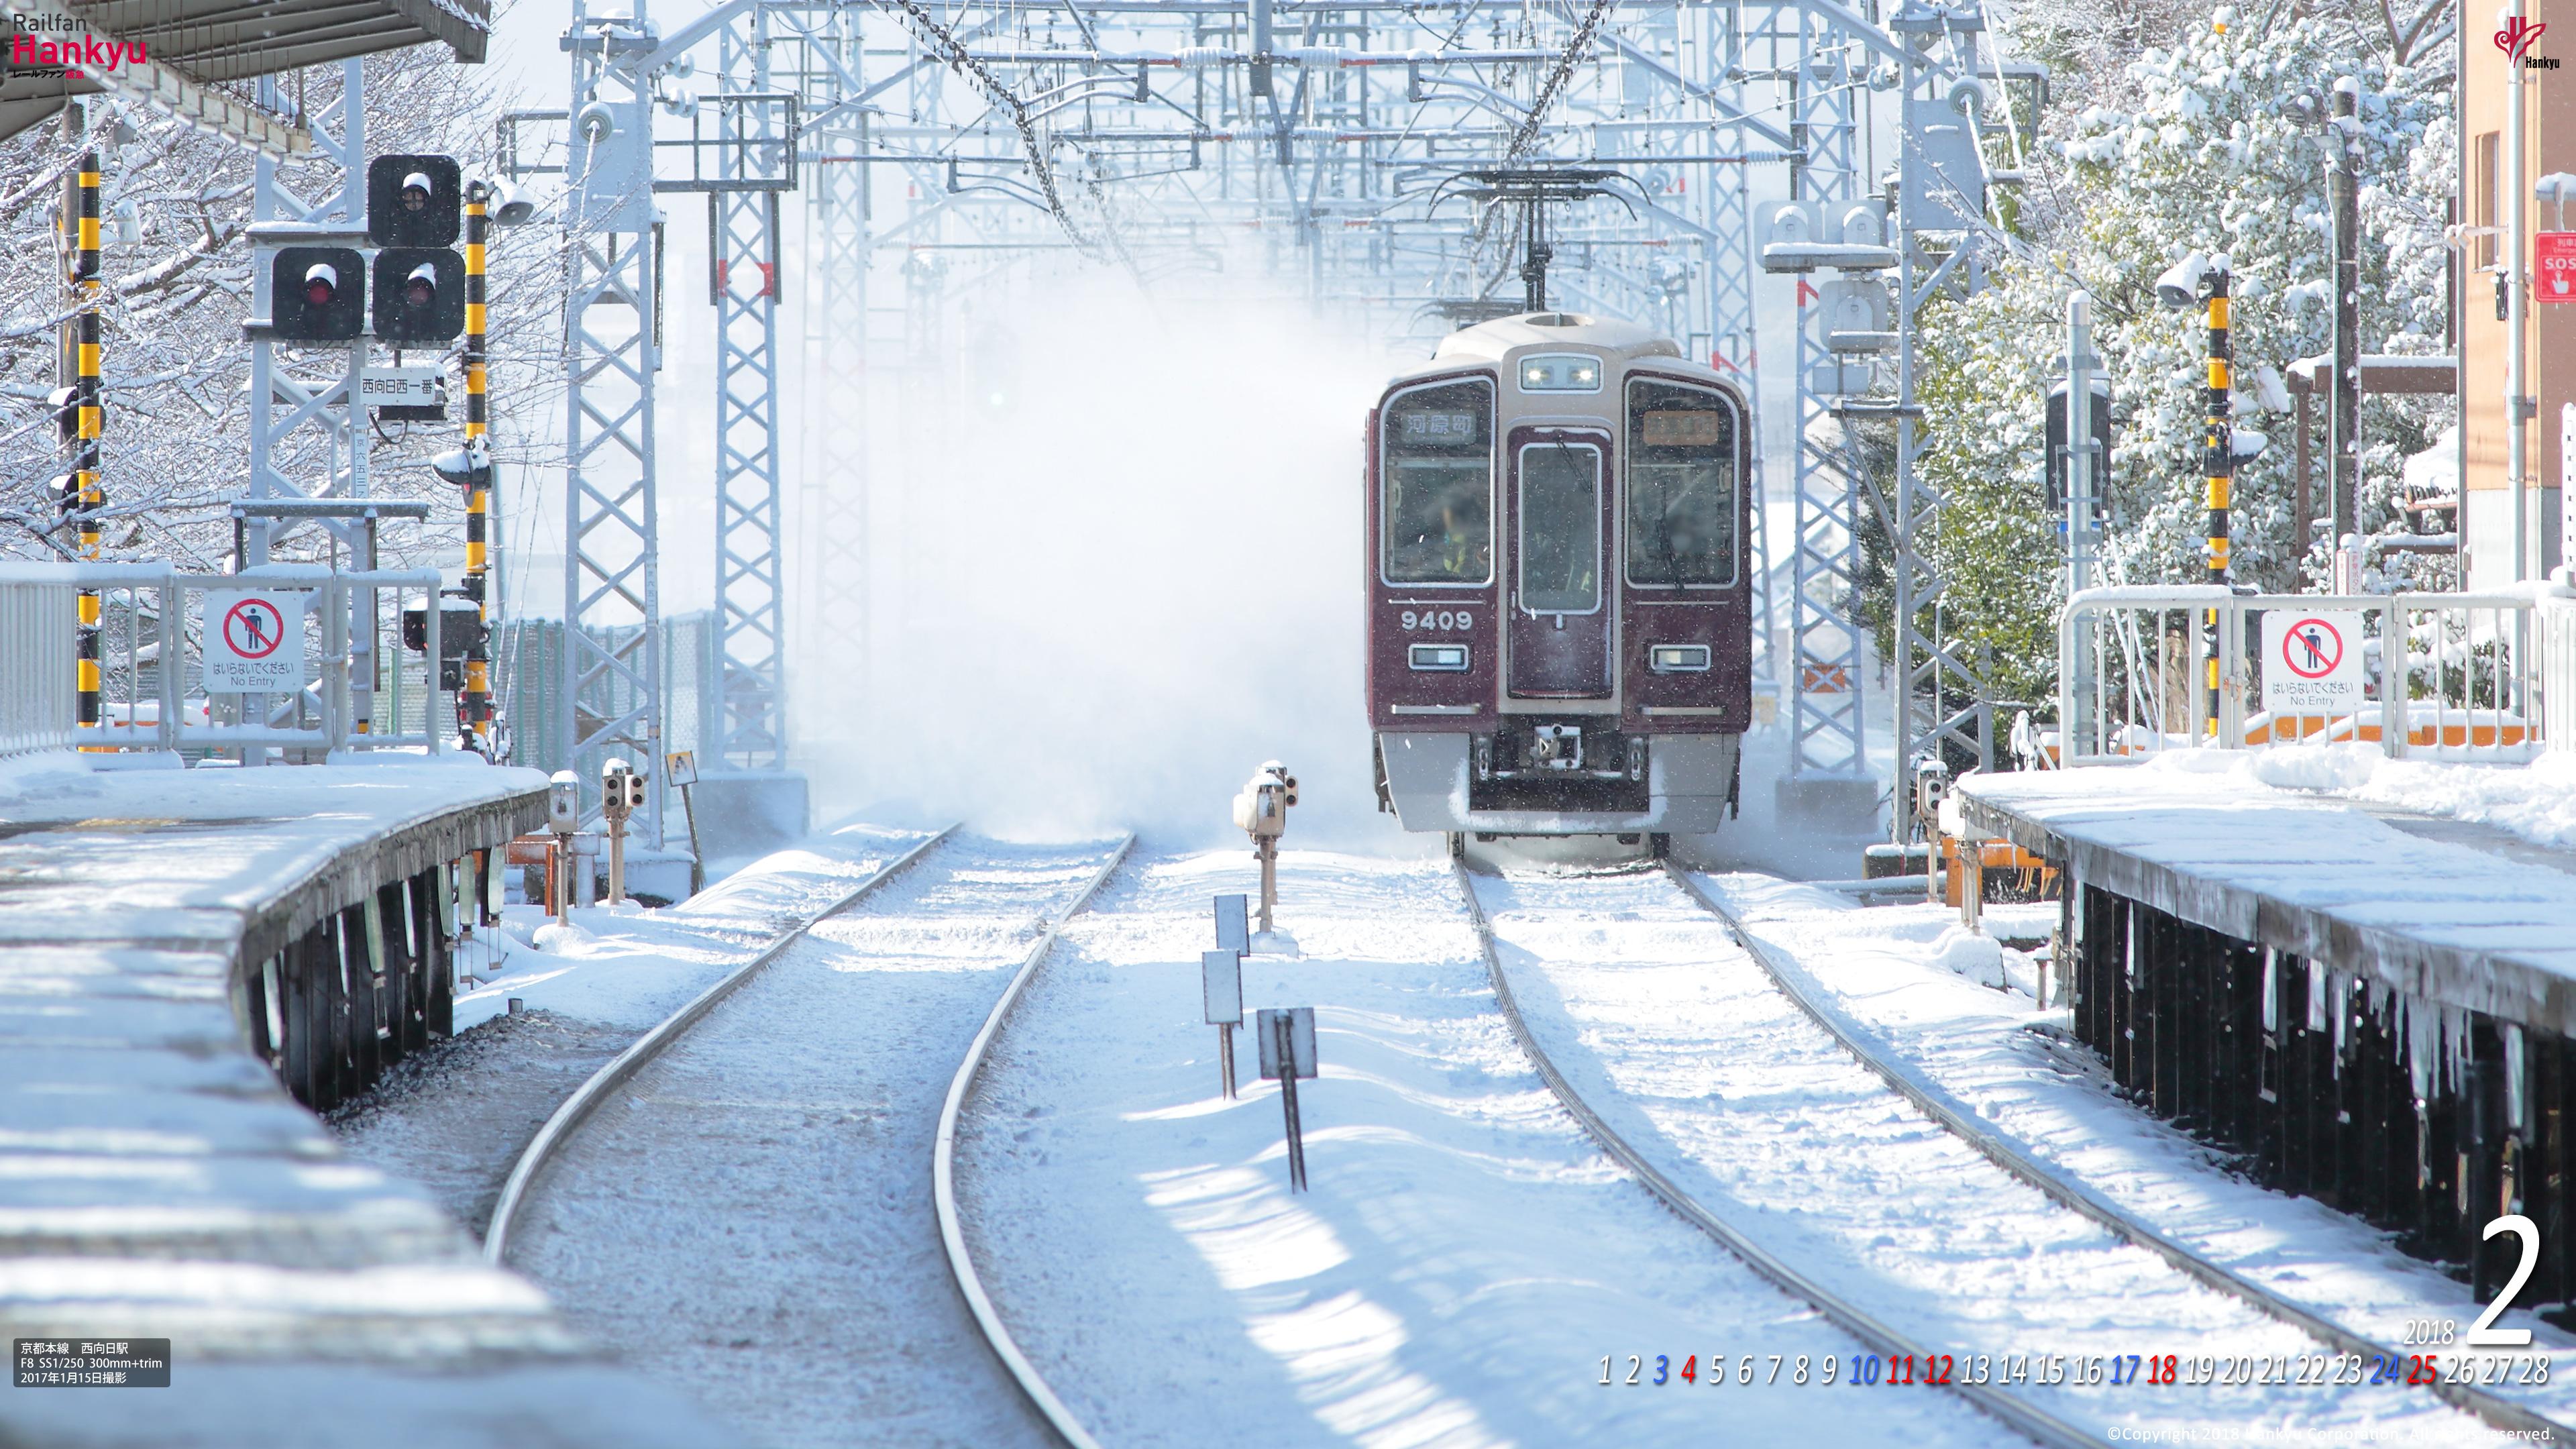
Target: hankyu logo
x=34, y=51
x=2516, y=39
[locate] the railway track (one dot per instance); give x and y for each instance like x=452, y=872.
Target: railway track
x=740, y=1143
x=1961, y=1121
x=2025, y=1412
x=952, y=1231
x=567, y=1118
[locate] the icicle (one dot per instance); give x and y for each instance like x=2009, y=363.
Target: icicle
x=2271, y=991
x=2129, y=961
x=2514, y=1108
x=2338, y=990
x=2318, y=978
x=2421, y=1040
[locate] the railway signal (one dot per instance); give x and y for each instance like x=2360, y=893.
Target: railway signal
x=317, y=294
x=1262, y=812
x=415, y=212
x=622, y=792
x=563, y=818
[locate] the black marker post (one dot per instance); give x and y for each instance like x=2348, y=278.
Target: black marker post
x=1287, y=1039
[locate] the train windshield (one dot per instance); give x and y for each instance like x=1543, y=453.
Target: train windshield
x=1439, y=485
x=1560, y=553
x=1681, y=486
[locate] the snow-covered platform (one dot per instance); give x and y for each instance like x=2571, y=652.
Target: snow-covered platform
x=156, y=1181
x=2445, y=909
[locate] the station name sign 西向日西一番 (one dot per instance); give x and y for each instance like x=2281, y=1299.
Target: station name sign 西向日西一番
x=2311, y=661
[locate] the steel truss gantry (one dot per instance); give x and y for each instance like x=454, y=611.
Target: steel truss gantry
x=309, y=429
x=1161, y=138
x=754, y=162
x=612, y=664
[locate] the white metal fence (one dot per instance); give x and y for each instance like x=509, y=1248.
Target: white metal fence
x=151, y=677
x=2487, y=676
x=38, y=683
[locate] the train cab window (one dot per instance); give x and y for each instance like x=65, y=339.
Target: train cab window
x=1682, y=494
x=1438, y=476
x=1560, y=528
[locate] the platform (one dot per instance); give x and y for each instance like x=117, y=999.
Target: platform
x=157, y=1181
x=2446, y=910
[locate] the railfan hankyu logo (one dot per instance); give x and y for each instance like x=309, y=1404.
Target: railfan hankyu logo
x=2516, y=39
x=47, y=45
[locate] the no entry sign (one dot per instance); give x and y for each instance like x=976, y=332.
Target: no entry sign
x=2311, y=662
x=254, y=643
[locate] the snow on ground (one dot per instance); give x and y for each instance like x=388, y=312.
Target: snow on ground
x=751, y=1220
x=1466, y=1257
x=455, y=1117
x=2019, y=1070
x=1679, y=1039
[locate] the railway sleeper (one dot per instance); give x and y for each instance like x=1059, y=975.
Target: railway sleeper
x=2426, y=1121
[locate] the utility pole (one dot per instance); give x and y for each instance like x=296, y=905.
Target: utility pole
x=2221, y=464
x=2080, y=363
x=2343, y=426
x=2518, y=405
x=84, y=498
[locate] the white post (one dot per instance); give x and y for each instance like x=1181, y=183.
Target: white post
x=2517, y=249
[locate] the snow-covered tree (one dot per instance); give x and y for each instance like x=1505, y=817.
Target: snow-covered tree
x=175, y=366
x=2212, y=151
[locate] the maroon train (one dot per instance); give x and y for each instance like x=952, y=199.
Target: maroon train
x=1559, y=609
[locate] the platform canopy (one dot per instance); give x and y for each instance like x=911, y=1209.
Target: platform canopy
x=196, y=55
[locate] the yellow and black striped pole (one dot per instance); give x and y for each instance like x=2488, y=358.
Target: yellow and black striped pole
x=88, y=295
x=478, y=499
x=2220, y=466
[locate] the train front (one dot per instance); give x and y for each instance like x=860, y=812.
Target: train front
x=1558, y=605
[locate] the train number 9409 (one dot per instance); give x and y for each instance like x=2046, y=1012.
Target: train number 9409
x=1437, y=619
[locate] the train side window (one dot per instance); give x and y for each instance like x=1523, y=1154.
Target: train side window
x=1682, y=494
x=1438, y=475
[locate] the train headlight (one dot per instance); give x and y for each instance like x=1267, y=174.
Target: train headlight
x=1449, y=658
x=1561, y=372
x=1678, y=659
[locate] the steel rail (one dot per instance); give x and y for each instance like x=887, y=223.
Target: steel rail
x=2012, y=1156
x=585, y=1099
x=943, y=1176
x=2023, y=1417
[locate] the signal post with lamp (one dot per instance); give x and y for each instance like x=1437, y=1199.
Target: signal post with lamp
x=1262, y=812
x=621, y=795
x=563, y=819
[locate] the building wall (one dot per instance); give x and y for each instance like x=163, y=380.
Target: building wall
x=2550, y=344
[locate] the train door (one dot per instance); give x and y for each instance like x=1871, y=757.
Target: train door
x=1559, y=638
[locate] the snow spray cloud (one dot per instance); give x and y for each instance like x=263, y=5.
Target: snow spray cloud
x=1124, y=574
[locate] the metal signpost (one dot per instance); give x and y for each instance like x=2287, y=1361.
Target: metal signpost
x=2311, y=662
x=1221, y=988
x=254, y=643
x=1233, y=924
x=1287, y=1038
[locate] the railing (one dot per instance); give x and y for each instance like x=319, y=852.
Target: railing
x=37, y=649
x=2486, y=676
x=147, y=626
